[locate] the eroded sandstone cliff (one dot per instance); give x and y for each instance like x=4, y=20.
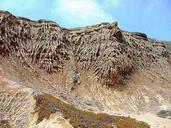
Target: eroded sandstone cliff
x=104, y=49
x=99, y=68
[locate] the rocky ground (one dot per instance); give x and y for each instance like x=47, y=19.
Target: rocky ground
x=100, y=69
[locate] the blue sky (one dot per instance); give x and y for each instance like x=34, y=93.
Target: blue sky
x=152, y=17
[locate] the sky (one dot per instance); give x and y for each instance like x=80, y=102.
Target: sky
x=152, y=17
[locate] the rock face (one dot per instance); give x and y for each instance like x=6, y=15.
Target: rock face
x=18, y=106
x=109, y=53
x=140, y=35
x=98, y=68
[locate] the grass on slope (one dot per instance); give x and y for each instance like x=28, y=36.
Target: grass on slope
x=4, y=124
x=168, y=46
x=47, y=105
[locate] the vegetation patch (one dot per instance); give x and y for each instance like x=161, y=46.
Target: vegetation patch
x=168, y=46
x=4, y=124
x=46, y=105
x=127, y=122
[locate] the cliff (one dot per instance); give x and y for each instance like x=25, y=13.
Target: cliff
x=99, y=68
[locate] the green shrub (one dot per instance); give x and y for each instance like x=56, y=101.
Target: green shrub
x=127, y=122
x=4, y=124
x=46, y=105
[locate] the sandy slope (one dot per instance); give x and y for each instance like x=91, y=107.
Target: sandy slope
x=17, y=106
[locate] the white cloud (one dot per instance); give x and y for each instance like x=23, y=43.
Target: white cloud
x=20, y=5
x=81, y=12
x=68, y=13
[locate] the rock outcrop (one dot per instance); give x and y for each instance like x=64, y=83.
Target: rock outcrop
x=110, y=54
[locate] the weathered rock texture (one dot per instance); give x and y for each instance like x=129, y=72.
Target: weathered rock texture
x=104, y=49
x=18, y=107
x=98, y=67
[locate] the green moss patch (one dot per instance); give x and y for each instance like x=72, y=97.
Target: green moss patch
x=46, y=105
